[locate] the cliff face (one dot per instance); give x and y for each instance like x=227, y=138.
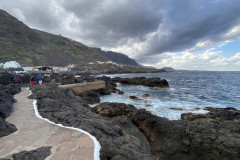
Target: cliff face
x=118, y=57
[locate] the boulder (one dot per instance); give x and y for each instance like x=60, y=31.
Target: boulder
x=114, y=109
x=6, y=128
x=148, y=105
x=121, y=92
x=135, y=98
x=145, y=96
x=176, y=108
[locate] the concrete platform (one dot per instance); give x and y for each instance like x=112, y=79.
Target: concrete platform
x=33, y=133
x=81, y=87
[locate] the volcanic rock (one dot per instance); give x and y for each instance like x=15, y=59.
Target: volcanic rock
x=62, y=106
x=135, y=98
x=5, y=78
x=145, y=95
x=181, y=139
x=6, y=107
x=37, y=154
x=176, y=108
x=148, y=105
x=90, y=97
x=150, y=82
x=215, y=114
x=114, y=109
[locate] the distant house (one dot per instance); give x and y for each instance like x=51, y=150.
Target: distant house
x=28, y=68
x=99, y=62
x=62, y=69
x=71, y=65
x=58, y=69
x=43, y=68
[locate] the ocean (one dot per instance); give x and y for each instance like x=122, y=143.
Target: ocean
x=188, y=90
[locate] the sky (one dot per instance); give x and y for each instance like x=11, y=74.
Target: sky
x=183, y=34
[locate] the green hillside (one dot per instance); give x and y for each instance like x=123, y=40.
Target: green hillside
x=32, y=47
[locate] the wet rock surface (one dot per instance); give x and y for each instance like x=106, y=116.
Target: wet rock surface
x=135, y=98
x=62, y=106
x=150, y=82
x=194, y=139
x=215, y=114
x=6, y=107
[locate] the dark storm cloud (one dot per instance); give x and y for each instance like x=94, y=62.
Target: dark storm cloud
x=37, y=14
x=113, y=22
x=192, y=24
x=153, y=26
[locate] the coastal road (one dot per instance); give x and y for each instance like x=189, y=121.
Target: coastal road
x=67, y=144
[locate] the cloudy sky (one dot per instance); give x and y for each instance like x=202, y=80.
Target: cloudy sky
x=183, y=34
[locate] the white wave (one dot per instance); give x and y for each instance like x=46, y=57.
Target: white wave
x=96, y=143
x=159, y=107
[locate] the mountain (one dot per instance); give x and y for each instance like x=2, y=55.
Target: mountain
x=168, y=69
x=118, y=57
x=33, y=47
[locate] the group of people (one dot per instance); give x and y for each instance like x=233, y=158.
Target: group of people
x=17, y=80
x=39, y=79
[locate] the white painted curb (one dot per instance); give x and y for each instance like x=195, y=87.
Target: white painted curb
x=96, y=143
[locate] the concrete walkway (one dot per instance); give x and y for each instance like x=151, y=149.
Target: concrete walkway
x=33, y=133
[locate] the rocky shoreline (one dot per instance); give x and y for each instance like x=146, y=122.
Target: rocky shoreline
x=125, y=132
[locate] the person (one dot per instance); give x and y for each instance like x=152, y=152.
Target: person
x=40, y=79
x=16, y=80
x=32, y=80
x=84, y=80
x=75, y=79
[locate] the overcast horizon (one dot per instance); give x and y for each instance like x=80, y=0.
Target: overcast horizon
x=186, y=34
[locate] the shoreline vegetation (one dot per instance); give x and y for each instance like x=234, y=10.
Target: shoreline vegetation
x=125, y=132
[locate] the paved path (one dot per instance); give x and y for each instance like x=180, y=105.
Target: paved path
x=33, y=133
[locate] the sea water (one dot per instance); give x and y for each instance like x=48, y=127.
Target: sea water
x=188, y=90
